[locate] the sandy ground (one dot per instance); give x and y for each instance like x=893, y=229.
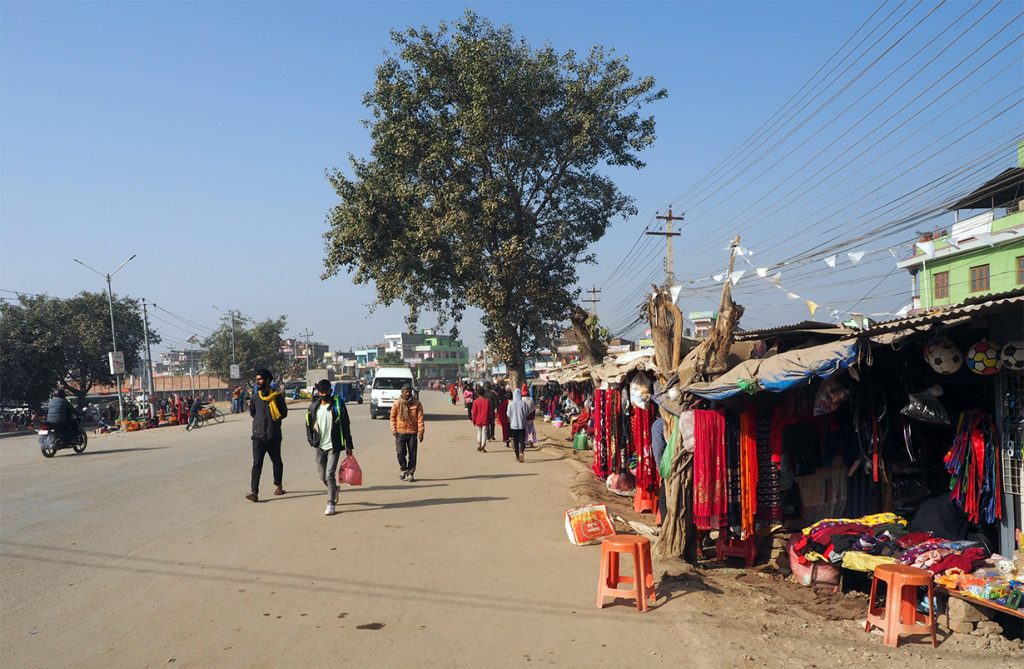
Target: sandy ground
x=142, y=552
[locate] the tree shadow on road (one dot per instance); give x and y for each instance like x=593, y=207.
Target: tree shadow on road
x=125, y=450
x=415, y=503
x=475, y=476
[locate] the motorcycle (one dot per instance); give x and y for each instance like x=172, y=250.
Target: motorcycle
x=51, y=441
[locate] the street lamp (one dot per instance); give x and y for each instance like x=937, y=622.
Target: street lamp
x=113, y=335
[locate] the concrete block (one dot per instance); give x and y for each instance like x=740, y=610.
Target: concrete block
x=962, y=611
x=961, y=627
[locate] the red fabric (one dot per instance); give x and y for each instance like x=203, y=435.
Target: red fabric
x=481, y=412
x=710, y=499
x=646, y=468
x=506, y=434
x=967, y=561
x=913, y=539
x=748, y=471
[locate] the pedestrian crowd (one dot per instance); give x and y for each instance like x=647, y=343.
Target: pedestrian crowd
x=488, y=405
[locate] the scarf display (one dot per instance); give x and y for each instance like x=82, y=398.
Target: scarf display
x=734, y=506
x=748, y=471
x=270, y=398
x=710, y=500
x=974, y=465
x=769, y=480
x=646, y=468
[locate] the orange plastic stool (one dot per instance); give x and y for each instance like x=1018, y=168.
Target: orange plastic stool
x=900, y=614
x=645, y=502
x=642, y=579
x=742, y=548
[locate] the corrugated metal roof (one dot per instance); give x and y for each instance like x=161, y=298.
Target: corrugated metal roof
x=975, y=305
x=803, y=327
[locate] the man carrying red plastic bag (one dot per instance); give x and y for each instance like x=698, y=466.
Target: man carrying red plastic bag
x=328, y=431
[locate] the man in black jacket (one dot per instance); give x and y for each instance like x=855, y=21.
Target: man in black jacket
x=60, y=415
x=267, y=409
x=328, y=430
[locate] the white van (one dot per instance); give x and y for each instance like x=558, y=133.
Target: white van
x=387, y=386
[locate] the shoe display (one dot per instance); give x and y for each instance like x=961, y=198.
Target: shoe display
x=252, y=497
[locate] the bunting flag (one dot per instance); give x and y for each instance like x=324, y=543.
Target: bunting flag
x=776, y=278
x=762, y=272
x=812, y=306
x=736, y=276
x=927, y=248
x=793, y=296
x=892, y=252
x=718, y=278
x=855, y=256
x=831, y=261
x=674, y=292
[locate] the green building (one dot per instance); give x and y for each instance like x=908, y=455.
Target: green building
x=433, y=355
x=982, y=253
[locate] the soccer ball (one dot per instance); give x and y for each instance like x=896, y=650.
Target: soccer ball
x=943, y=356
x=983, y=358
x=1013, y=355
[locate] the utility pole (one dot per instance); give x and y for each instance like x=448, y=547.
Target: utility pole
x=307, y=334
x=231, y=312
x=191, y=379
x=149, y=354
x=593, y=299
x=670, y=277
x=113, y=335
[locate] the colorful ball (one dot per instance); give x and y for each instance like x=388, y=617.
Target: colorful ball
x=983, y=358
x=1013, y=355
x=943, y=355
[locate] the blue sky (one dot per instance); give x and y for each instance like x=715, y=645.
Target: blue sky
x=196, y=136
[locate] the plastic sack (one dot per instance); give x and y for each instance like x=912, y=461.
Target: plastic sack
x=588, y=524
x=350, y=472
x=640, y=390
x=927, y=408
x=830, y=395
x=580, y=442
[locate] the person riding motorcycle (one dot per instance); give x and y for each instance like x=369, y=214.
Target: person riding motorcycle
x=61, y=416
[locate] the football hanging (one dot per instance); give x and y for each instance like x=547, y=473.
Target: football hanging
x=1013, y=355
x=943, y=355
x=983, y=358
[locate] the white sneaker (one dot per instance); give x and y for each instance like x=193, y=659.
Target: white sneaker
x=329, y=511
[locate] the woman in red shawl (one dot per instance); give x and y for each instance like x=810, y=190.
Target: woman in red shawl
x=506, y=432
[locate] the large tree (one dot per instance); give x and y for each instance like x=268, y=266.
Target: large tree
x=256, y=345
x=487, y=180
x=49, y=341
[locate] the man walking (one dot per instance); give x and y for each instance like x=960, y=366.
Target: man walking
x=328, y=430
x=481, y=413
x=517, y=413
x=193, y=413
x=267, y=409
x=407, y=426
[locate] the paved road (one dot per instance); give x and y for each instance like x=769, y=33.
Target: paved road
x=143, y=552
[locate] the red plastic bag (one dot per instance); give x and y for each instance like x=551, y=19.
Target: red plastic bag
x=350, y=472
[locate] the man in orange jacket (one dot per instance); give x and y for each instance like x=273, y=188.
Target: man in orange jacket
x=407, y=426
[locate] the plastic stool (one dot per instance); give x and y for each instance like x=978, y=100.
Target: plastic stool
x=643, y=573
x=741, y=548
x=644, y=501
x=900, y=614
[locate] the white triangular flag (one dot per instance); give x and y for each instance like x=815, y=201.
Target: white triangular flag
x=793, y=296
x=762, y=272
x=830, y=261
x=736, y=276
x=927, y=248
x=812, y=306
x=674, y=292
x=855, y=256
x=776, y=278
x=718, y=278
x=892, y=252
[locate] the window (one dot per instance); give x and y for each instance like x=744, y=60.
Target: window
x=941, y=281
x=1020, y=269
x=979, y=278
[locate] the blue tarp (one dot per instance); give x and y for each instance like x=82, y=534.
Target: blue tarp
x=779, y=372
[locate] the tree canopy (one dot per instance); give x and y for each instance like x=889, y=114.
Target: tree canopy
x=256, y=345
x=50, y=341
x=486, y=184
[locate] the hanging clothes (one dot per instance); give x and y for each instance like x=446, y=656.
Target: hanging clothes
x=732, y=463
x=769, y=492
x=646, y=468
x=710, y=499
x=975, y=468
x=748, y=471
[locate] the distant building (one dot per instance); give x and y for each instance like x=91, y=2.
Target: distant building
x=980, y=254
x=702, y=321
x=430, y=354
x=297, y=349
x=178, y=361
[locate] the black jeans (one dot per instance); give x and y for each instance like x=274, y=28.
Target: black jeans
x=406, y=446
x=519, y=440
x=469, y=411
x=259, y=449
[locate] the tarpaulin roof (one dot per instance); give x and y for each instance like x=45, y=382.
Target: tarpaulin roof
x=780, y=371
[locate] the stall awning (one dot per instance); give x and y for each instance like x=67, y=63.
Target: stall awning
x=779, y=372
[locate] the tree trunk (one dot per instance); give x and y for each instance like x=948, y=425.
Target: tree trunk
x=591, y=346
x=661, y=318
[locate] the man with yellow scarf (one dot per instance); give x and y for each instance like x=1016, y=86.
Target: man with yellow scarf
x=267, y=409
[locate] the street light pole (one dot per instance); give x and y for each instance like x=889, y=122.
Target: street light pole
x=113, y=334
